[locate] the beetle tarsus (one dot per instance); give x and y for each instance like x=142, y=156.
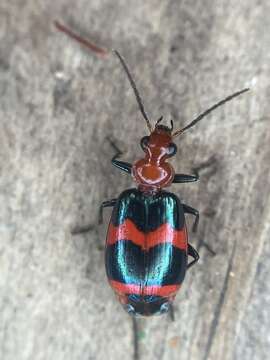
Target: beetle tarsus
x=171, y=312
x=107, y=203
x=122, y=165
x=135, y=338
x=82, y=229
x=208, y=248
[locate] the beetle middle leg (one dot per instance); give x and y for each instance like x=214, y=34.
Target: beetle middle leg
x=107, y=203
x=192, y=211
x=87, y=228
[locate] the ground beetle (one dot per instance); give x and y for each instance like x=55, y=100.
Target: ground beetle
x=147, y=246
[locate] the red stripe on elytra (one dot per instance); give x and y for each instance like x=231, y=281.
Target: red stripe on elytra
x=164, y=234
x=166, y=290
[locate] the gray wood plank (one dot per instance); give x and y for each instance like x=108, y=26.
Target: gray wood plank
x=58, y=104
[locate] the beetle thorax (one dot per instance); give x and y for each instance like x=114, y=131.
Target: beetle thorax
x=153, y=172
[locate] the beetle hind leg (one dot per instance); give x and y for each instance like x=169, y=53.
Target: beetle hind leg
x=135, y=338
x=208, y=248
x=171, y=312
x=194, y=254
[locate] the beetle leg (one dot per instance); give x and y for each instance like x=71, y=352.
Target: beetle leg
x=171, y=312
x=208, y=248
x=87, y=228
x=135, y=338
x=122, y=165
x=183, y=178
x=104, y=204
x=82, y=229
x=192, y=211
x=193, y=253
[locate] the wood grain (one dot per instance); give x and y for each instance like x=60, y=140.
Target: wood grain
x=58, y=104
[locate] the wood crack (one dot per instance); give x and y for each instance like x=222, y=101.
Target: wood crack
x=220, y=303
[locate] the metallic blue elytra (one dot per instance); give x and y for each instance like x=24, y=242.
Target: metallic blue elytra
x=146, y=250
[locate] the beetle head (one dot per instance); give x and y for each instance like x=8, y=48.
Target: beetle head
x=160, y=141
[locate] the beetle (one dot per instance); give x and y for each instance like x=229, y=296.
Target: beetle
x=147, y=247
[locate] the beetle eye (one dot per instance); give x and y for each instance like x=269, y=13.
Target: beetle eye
x=172, y=149
x=144, y=142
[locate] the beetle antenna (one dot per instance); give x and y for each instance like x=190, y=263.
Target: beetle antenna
x=136, y=92
x=202, y=115
x=79, y=39
x=103, y=52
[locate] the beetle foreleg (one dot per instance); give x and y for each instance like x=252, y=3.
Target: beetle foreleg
x=122, y=165
x=183, y=178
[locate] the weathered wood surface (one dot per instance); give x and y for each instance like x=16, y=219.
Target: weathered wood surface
x=58, y=103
